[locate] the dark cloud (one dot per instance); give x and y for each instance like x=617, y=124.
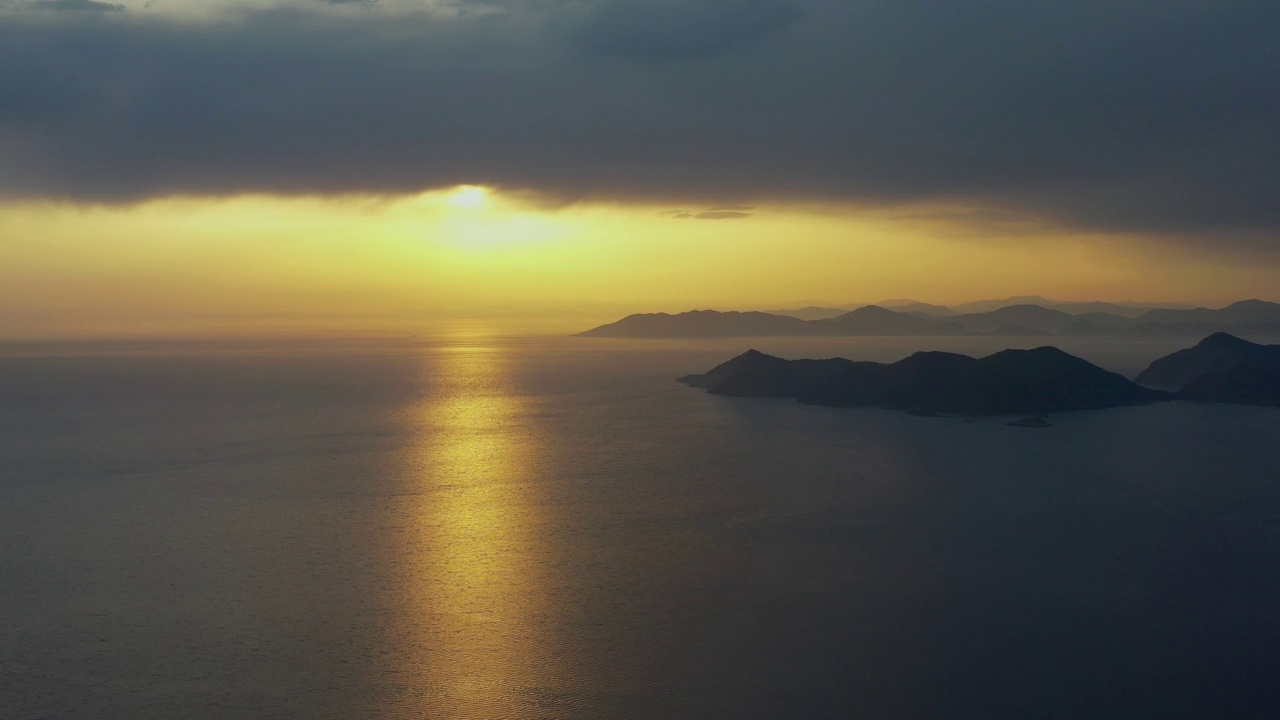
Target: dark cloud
x=77, y=6
x=1151, y=116
x=722, y=215
x=681, y=28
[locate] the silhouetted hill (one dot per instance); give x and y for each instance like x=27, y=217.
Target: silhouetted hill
x=869, y=320
x=701, y=323
x=1243, y=385
x=875, y=320
x=812, y=312
x=1245, y=312
x=1253, y=317
x=1015, y=320
x=755, y=374
x=1251, y=312
x=915, y=306
x=978, y=307
x=1217, y=353
x=1013, y=381
x=1123, y=309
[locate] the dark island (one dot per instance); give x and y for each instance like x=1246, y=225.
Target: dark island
x=1013, y=381
x=1218, y=353
x=1242, y=386
x=1222, y=368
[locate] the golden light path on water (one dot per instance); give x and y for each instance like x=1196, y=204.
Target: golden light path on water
x=477, y=563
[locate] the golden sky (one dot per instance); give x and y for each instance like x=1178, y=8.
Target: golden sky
x=197, y=167
x=374, y=266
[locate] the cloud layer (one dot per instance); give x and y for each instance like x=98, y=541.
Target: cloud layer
x=1153, y=116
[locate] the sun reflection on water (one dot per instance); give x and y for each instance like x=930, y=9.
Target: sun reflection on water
x=478, y=562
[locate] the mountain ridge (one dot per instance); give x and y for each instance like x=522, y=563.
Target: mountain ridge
x=1221, y=368
x=1218, y=353
x=1255, y=317
x=1040, y=380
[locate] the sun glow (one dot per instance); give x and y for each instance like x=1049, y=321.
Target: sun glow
x=377, y=265
x=470, y=197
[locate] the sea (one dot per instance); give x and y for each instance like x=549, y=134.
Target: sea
x=476, y=526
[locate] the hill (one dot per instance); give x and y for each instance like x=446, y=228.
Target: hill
x=915, y=306
x=1243, y=385
x=1252, y=317
x=1123, y=309
x=811, y=312
x=1238, y=313
x=1016, y=320
x=869, y=320
x=875, y=320
x=1217, y=353
x=1013, y=381
x=701, y=323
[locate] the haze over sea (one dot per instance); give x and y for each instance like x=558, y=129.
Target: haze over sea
x=475, y=526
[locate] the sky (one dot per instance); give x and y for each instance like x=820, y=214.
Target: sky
x=313, y=167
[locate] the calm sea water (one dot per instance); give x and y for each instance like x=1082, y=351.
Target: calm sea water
x=478, y=527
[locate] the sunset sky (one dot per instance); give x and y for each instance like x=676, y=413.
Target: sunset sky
x=193, y=166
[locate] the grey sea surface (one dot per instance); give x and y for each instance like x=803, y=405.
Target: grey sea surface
x=534, y=528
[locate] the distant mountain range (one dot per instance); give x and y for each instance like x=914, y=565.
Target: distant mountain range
x=1254, y=317
x=1128, y=309
x=1221, y=368
x=811, y=312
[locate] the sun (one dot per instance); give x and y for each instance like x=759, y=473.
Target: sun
x=471, y=197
